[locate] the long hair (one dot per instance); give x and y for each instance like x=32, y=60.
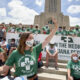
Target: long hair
x=5, y=56
x=22, y=41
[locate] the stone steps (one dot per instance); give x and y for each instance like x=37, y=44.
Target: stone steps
x=60, y=61
x=48, y=76
x=60, y=65
x=51, y=73
x=52, y=70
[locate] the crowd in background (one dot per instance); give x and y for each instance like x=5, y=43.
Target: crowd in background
x=72, y=31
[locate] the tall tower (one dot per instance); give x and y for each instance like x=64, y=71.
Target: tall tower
x=52, y=9
x=53, y=6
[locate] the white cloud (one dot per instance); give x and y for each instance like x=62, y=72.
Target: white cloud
x=20, y=13
x=74, y=9
x=70, y=0
x=8, y=20
x=2, y=11
x=74, y=21
x=39, y=2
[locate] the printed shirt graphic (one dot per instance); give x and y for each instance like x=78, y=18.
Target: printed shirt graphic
x=51, y=50
x=75, y=68
x=25, y=64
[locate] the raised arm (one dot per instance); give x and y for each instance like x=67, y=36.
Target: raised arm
x=47, y=40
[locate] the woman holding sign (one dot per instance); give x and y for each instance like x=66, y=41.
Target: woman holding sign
x=26, y=56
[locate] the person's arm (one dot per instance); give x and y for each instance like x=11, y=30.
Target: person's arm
x=69, y=76
x=69, y=71
x=50, y=36
x=4, y=69
x=8, y=64
x=48, y=52
x=56, y=51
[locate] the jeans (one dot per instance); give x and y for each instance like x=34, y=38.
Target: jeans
x=36, y=78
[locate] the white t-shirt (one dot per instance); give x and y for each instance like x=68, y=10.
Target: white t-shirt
x=4, y=30
x=51, y=50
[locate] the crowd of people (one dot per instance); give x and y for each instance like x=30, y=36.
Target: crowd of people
x=25, y=57
x=11, y=28
x=73, y=31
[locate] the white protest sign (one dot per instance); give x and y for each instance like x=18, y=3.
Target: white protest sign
x=65, y=44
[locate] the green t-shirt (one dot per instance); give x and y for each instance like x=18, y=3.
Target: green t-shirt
x=30, y=30
x=59, y=33
x=75, y=68
x=72, y=32
x=78, y=33
x=18, y=29
x=25, y=64
x=37, y=31
x=64, y=32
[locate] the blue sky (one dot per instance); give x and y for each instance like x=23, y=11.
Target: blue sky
x=24, y=11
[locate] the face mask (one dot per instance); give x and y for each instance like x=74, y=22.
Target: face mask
x=75, y=58
x=30, y=43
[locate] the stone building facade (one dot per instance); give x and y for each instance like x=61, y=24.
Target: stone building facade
x=52, y=8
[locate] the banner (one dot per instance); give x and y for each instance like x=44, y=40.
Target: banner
x=66, y=45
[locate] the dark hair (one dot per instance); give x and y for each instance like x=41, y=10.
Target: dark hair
x=5, y=56
x=22, y=41
x=4, y=39
x=36, y=26
x=12, y=39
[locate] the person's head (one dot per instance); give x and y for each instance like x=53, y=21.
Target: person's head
x=23, y=28
x=60, y=28
x=64, y=28
x=20, y=25
x=26, y=41
x=12, y=41
x=47, y=26
x=36, y=27
x=31, y=26
x=51, y=44
x=10, y=24
x=79, y=57
x=77, y=28
x=4, y=39
x=74, y=57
